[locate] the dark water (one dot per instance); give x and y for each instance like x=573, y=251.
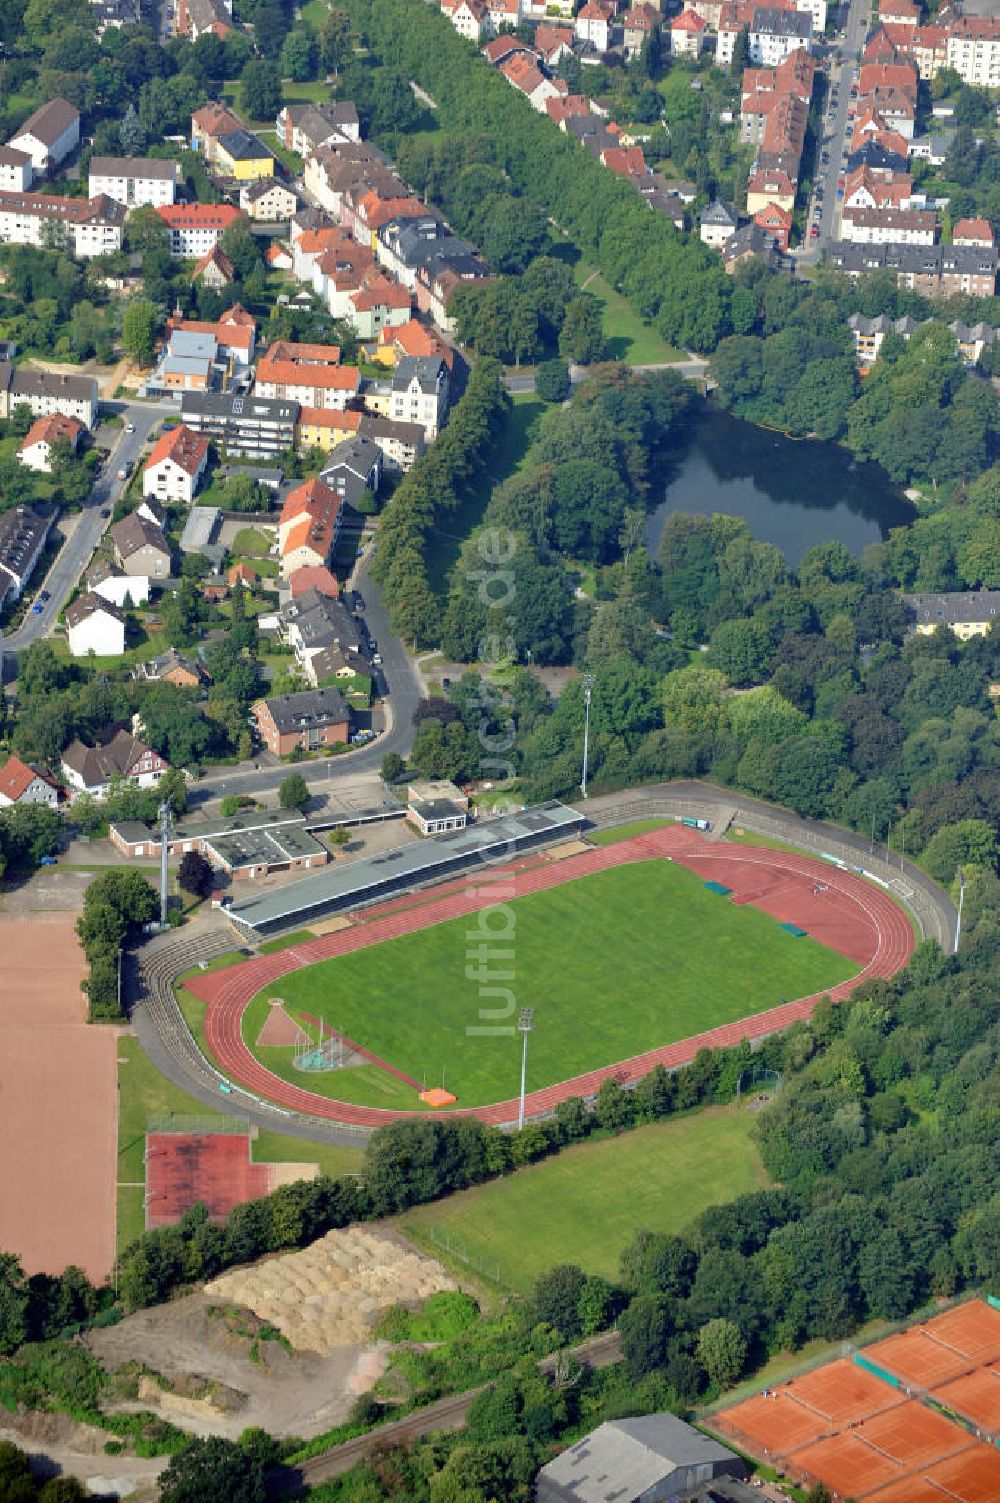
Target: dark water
x=792, y=493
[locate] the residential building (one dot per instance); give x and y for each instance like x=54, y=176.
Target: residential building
x=593, y=23
x=268, y=201
x=687, y=34
x=15, y=170
x=978, y=232
x=311, y=719
x=90, y=769
x=437, y=282
x=889, y=226
x=313, y=577
x=771, y=187
x=776, y=222
x=718, y=222
x=638, y=25
x=552, y=43
x=401, y=443
x=35, y=449
x=330, y=170
x=215, y=270
x=242, y=155
x=196, y=18
x=522, y=73
x=354, y=467
x=94, y=625
x=870, y=333
x=649, y=1459
x=303, y=127
x=380, y=304
x=24, y=531
x=194, y=229
x=87, y=227
x=972, y=50
x=210, y=123
x=134, y=180
x=234, y=335
x=176, y=465
x=933, y=270
x=21, y=783
x=152, y=511
x=45, y=392
x=256, y=426
x=775, y=34
x=140, y=547
x=325, y=427
x=49, y=135
x=309, y=526
x=308, y=374
x=750, y=243
x=968, y=613
x=324, y=636
x=470, y=18
x=435, y=805
x=110, y=581
x=420, y=393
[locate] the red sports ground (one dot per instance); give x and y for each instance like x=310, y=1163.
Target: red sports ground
x=837, y=907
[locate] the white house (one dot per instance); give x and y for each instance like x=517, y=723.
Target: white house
x=49, y=391
x=116, y=587
x=87, y=227
x=194, y=229
x=89, y=769
x=49, y=135
x=15, y=170
x=176, y=464
x=420, y=392
x=134, y=180
x=687, y=34
x=35, y=449
x=593, y=23
x=94, y=625
x=21, y=784
x=775, y=34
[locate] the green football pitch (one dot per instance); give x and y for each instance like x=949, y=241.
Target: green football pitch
x=584, y=1204
x=614, y=964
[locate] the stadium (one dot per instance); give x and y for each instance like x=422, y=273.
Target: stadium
x=406, y=992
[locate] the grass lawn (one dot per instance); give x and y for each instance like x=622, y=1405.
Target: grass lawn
x=585, y=1204
x=143, y=1092
x=411, y=1001
x=629, y=338
x=290, y=160
x=626, y=832
x=250, y=543
x=315, y=91
x=518, y=435
x=151, y=646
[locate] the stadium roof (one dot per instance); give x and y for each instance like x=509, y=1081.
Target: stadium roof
x=354, y=883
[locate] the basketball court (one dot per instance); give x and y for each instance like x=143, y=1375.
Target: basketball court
x=58, y=1104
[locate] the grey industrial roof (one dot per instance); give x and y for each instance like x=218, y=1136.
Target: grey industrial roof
x=264, y=847
x=190, y=830
x=626, y=1458
x=354, y=883
x=193, y=345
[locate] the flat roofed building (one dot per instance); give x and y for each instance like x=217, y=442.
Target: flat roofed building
x=259, y=427
x=435, y=805
x=355, y=884
x=133, y=838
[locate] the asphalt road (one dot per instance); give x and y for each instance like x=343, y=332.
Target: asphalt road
x=834, y=136
x=75, y=553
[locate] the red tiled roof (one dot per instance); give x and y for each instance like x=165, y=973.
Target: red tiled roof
x=49, y=430
x=16, y=777
x=186, y=448
x=313, y=577
x=198, y=216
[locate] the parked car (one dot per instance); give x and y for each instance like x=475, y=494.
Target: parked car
x=43, y=594
x=36, y=609
x=814, y=230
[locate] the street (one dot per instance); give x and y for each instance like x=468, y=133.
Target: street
x=75, y=553
x=835, y=143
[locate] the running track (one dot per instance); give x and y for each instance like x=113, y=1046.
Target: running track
x=853, y=916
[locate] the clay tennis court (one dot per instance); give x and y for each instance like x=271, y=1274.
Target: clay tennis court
x=58, y=1104
x=878, y=1438
x=835, y=906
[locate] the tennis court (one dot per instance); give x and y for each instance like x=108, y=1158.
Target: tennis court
x=972, y=1329
x=913, y=1435
x=976, y=1397
x=844, y=1392
x=917, y=1358
x=847, y=1466
x=910, y=1490
x=772, y=1424
x=972, y=1477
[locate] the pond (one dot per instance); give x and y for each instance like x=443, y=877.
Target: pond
x=794, y=493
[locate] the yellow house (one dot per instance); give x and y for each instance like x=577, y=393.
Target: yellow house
x=969, y=613
x=324, y=428
x=242, y=156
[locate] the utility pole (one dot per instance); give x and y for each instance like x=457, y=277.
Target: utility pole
x=588, y=687
x=525, y=1024
x=164, y=813
x=961, y=905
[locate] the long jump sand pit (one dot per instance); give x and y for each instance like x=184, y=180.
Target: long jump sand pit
x=58, y=1104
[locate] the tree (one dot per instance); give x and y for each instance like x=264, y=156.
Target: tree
x=241, y=246
x=393, y=767
x=557, y=1299
x=581, y=338
x=213, y=1471
x=299, y=55
x=13, y=1304
x=131, y=136
x=722, y=1351
x=334, y=38
x=195, y=874
x=293, y=792
x=261, y=89
x=138, y=330
x=552, y=381
x=644, y=1328
x=967, y=842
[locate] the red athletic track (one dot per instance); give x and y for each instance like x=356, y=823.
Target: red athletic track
x=852, y=915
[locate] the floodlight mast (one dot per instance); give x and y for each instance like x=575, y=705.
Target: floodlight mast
x=525, y=1024
x=588, y=685
x=164, y=813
